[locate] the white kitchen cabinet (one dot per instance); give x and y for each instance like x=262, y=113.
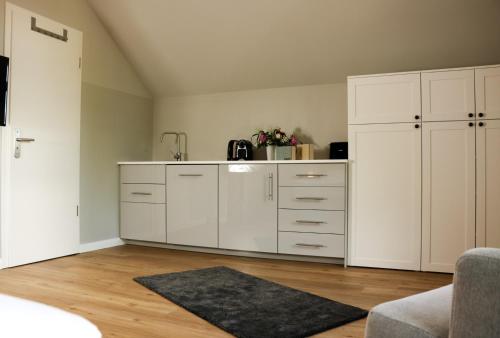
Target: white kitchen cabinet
x=488, y=92
x=448, y=193
x=488, y=183
x=311, y=244
x=316, y=198
x=192, y=205
x=314, y=221
x=311, y=175
x=248, y=209
x=385, y=195
x=384, y=98
x=143, y=222
x=448, y=95
x=142, y=173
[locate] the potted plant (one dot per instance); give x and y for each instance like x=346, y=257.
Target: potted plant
x=278, y=144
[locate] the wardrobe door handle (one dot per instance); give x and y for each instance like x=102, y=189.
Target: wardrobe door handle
x=417, y=117
x=417, y=126
x=471, y=115
x=480, y=124
x=480, y=114
x=471, y=124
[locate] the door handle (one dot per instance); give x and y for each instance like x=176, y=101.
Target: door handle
x=25, y=139
x=141, y=193
x=310, y=198
x=311, y=175
x=190, y=175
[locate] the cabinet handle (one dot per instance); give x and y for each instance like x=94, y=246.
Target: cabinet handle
x=141, y=193
x=300, y=221
x=480, y=124
x=417, y=126
x=190, y=175
x=270, y=179
x=471, y=114
x=311, y=198
x=417, y=117
x=480, y=114
x=311, y=175
x=310, y=245
x=471, y=124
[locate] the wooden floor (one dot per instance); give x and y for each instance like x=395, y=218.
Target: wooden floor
x=99, y=286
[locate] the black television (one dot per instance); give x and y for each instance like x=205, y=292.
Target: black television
x=4, y=86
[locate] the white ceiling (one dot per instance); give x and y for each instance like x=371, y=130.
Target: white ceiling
x=185, y=47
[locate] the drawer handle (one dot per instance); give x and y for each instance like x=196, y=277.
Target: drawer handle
x=190, y=175
x=301, y=221
x=311, y=175
x=310, y=245
x=142, y=193
x=311, y=198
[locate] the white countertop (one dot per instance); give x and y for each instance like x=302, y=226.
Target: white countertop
x=238, y=162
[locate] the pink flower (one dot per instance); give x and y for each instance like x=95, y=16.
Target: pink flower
x=262, y=138
x=293, y=140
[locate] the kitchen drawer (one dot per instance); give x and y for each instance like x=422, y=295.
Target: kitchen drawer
x=308, y=175
x=143, y=222
x=142, y=193
x=312, y=198
x=317, y=221
x=324, y=245
x=142, y=173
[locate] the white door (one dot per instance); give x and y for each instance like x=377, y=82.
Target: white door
x=248, y=207
x=385, y=190
x=488, y=92
x=488, y=183
x=384, y=98
x=448, y=95
x=40, y=191
x=448, y=193
x=192, y=205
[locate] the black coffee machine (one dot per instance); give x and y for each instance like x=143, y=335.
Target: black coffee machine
x=239, y=150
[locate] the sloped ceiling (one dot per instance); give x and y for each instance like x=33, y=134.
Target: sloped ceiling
x=185, y=47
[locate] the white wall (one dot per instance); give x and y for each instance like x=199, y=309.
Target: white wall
x=116, y=114
x=212, y=120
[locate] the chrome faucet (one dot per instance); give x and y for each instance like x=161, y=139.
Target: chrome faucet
x=178, y=156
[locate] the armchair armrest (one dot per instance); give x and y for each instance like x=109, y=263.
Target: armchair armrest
x=476, y=295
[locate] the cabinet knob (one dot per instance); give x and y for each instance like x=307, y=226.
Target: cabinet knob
x=471, y=124
x=481, y=124
x=481, y=114
x=417, y=117
x=417, y=126
x=471, y=115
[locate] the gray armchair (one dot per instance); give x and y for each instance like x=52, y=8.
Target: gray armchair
x=468, y=308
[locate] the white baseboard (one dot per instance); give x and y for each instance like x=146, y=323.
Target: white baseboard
x=107, y=243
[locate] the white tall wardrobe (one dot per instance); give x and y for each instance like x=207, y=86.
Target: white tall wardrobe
x=425, y=163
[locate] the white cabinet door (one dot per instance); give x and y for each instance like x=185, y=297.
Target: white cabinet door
x=448, y=193
x=248, y=207
x=488, y=184
x=384, y=98
x=143, y=222
x=448, y=95
x=385, y=191
x=192, y=205
x=488, y=92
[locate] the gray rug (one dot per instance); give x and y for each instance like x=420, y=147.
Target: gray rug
x=250, y=307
